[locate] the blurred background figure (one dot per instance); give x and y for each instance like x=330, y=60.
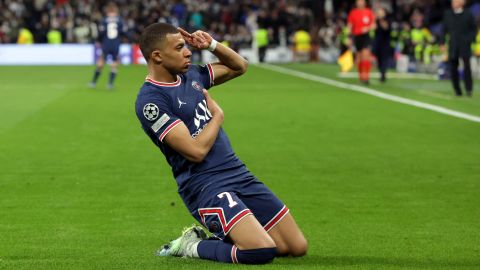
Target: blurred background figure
x=381, y=43
x=25, y=36
x=261, y=37
x=461, y=29
x=360, y=22
x=112, y=28
x=302, y=45
x=54, y=36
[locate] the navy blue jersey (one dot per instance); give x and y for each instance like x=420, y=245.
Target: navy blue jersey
x=111, y=30
x=162, y=106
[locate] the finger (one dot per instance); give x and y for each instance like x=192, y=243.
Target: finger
x=205, y=35
x=198, y=36
x=205, y=93
x=183, y=32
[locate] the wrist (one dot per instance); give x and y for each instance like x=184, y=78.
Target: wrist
x=213, y=45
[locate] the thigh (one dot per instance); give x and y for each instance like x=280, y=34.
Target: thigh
x=220, y=212
x=263, y=203
x=249, y=234
x=226, y=216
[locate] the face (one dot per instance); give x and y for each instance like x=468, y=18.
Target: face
x=456, y=4
x=173, y=55
x=361, y=3
x=381, y=13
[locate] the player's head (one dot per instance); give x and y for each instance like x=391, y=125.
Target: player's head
x=111, y=9
x=456, y=4
x=361, y=3
x=162, y=44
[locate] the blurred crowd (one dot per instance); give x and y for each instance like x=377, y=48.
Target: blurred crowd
x=416, y=24
x=76, y=20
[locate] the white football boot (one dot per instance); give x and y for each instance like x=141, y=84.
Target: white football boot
x=185, y=245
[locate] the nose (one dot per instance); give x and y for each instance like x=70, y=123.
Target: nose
x=187, y=53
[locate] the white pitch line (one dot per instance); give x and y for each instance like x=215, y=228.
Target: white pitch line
x=369, y=91
x=391, y=75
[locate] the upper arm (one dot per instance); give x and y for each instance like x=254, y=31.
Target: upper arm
x=222, y=73
x=164, y=126
x=216, y=73
x=180, y=140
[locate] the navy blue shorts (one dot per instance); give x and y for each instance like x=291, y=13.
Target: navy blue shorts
x=110, y=50
x=225, y=207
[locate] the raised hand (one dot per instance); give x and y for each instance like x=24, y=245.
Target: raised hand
x=199, y=39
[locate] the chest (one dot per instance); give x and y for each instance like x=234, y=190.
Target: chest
x=362, y=17
x=189, y=104
x=457, y=23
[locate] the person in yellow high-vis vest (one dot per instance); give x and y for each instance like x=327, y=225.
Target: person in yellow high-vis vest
x=261, y=37
x=303, y=45
x=25, y=36
x=54, y=36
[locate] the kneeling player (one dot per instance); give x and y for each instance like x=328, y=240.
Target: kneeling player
x=250, y=223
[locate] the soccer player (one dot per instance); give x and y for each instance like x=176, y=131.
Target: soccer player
x=360, y=21
x=110, y=31
x=249, y=223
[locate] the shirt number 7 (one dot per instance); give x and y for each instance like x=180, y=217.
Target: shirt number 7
x=231, y=202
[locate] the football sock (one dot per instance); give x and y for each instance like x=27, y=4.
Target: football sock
x=112, y=77
x=96, y=75
x=360, y=70
x=366, y=69
x=217, y=250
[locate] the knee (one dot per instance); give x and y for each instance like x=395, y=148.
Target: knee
x=256, y=256
x=297, y=249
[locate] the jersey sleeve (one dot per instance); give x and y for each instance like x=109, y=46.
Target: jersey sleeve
x=156, y=116
x=205, y=74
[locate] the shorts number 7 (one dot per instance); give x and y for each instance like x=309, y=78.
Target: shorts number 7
x=231, y=202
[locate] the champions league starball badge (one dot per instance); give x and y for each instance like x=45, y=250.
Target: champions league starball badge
x=150, y=111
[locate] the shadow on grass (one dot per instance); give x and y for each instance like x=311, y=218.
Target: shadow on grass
x=311, y=260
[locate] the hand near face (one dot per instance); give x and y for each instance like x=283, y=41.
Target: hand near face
x=198, y=40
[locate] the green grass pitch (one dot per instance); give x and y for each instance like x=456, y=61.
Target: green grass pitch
x=372, y=183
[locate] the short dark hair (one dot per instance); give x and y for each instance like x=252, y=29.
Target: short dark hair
x=152, y=37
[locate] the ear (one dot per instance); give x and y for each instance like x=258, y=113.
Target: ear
x=156, y=57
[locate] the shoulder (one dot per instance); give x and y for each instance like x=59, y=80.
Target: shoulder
x=195, y=70
x=150, y=94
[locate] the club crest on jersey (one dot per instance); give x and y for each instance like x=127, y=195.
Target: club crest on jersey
x=196, y=86
x=150, y=111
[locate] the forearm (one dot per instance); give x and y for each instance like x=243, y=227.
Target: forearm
x=230, y=58
x=205, y=140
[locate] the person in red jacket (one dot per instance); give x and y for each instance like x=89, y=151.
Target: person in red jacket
x=360, y=22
